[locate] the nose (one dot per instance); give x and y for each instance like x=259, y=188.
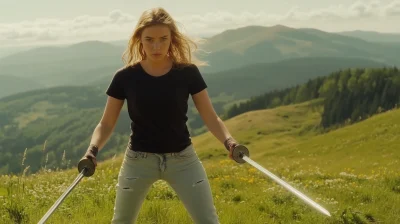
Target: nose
x=156, y=46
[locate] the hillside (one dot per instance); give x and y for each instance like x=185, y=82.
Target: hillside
x=355, y=168
x=351, y=171
x=288, y=136
x=350, y=95
x=10, y=85
x=60, y=119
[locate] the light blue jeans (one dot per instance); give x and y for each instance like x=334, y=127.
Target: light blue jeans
x=183, y=171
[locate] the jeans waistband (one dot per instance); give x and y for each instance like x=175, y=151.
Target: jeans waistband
x=138, y=149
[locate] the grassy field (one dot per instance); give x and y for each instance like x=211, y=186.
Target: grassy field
x=352, y=171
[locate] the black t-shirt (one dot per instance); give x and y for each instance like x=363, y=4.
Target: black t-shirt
x=157, y=106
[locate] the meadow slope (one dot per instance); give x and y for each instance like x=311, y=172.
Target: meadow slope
x=352, y=171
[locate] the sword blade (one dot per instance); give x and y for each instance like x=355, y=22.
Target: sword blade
x=62, y=197
x=287, y=186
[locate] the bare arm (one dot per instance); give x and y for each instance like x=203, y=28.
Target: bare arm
x=214, y=124
x=105, y=127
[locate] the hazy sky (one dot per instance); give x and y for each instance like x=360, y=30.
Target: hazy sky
x=24, y=22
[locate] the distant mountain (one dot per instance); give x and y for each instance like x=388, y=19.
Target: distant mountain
x=8, y=50
x=10, y=85
x=87, y=62
x=52, y=66
x=121, y=43
x=51, y=54
x=373, y=36
x=256, y=44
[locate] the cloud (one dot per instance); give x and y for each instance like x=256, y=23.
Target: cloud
x=392, y=9
x=334, y=14
x=357, y=10
x=118, y=25
x=78, y=28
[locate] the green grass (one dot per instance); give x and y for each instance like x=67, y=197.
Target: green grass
x=351, y=171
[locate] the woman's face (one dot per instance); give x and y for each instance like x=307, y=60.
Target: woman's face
x=156, y=41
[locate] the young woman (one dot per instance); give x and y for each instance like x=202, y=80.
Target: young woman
x=156, y=82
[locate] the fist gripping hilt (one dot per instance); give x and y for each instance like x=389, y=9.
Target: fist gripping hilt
x=238, y=152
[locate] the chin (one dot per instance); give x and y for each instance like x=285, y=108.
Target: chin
x=158, y=57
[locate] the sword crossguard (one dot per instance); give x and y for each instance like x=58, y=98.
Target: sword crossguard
x=238, y=152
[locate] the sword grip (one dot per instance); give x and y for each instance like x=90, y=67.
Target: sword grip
x=88, y=164
x=238, y=152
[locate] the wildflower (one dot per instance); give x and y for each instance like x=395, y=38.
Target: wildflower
x=252, y=170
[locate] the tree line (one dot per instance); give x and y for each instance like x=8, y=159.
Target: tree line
x=350, y=95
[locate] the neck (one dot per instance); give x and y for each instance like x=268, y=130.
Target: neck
x=158, y=64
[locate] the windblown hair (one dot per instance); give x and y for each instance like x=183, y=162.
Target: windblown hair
x=181, y=47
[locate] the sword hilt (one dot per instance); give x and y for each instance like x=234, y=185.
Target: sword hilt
x=86, y=163
x=238, y=152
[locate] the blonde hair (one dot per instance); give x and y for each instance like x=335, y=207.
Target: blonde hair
x=181, y=48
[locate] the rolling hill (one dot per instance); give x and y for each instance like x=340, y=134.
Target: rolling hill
x=10, y=85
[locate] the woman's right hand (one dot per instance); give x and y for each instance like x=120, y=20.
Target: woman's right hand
x=89, y=161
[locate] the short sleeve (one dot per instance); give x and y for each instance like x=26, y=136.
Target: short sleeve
x=116, y=88
x=196, y=82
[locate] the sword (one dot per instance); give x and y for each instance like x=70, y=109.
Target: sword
x=241, y=155
x=86, y=168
